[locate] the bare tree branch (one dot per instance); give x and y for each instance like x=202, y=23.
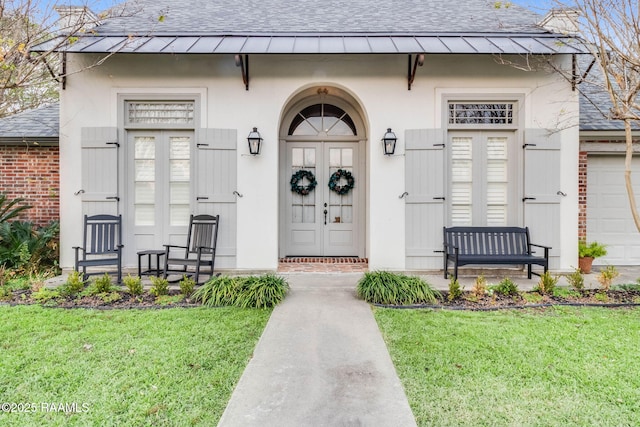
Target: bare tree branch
x=28, y=79
x=611, y=33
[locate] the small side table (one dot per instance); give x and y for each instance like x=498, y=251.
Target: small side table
x=150, y=271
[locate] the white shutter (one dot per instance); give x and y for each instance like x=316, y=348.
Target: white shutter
x=216, y=181
x=99, y=186
x=541, y=186
x=461, y=183
x=424, y=213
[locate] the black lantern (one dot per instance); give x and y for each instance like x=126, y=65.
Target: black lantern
x=389, y=142
x=255, y=142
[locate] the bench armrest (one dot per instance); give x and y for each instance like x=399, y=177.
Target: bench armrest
x=455, y=248
x=546, y=250
x=540, y=246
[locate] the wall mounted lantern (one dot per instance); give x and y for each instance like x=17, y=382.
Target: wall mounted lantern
x=255, y=142
x=389, y=142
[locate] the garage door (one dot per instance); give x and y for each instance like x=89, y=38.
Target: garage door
x=608, y=216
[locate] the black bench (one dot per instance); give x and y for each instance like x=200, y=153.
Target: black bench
x=491, y=245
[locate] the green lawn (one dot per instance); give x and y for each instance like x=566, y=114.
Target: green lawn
x=123, y=367
x=560, y=367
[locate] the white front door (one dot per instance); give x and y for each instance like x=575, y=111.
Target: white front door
x=323, y=222
x=159, y=164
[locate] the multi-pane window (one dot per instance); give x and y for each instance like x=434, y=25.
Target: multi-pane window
x=341, y=206
x=322, y=119
x=179, y=177
x=160, y=113
x=303, y=207
x=161, y=175
x=144, y=165
x=462, y=113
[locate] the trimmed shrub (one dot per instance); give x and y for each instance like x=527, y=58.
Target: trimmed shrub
x=546, y=284
x=187, y=285
x=74, y=284
x=102, y=284
x=505, y=287
x=576, y=279
x=133, y=285
x=455, y=291
x=479, y=288
x=606, y=276
x=159, y=286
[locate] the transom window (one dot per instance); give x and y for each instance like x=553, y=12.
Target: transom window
x=461, y=113
x=160, y=112
x=322, y=119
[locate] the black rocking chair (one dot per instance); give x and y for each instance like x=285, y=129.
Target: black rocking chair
x=200, y=250
x=101, y=244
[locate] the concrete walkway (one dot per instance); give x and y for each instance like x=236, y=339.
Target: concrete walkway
x=321, y=361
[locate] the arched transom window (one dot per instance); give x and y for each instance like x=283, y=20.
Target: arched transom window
x=322, y=119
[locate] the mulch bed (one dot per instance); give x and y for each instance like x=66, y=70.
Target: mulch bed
x=126, y=301
x=597, y=298
x=586, y=298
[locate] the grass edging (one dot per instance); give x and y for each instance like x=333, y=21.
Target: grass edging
x=507, y=307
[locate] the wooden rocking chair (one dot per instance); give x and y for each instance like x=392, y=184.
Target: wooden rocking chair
x=101, y=244
x=200, y=250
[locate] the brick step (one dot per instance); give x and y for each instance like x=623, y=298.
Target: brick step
x=323, y=265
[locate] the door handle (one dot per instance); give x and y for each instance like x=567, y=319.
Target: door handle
x=325, y=217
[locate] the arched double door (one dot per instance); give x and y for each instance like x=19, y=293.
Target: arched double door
x=322, y=179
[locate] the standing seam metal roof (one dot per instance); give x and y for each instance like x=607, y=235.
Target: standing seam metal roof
x=317, y=44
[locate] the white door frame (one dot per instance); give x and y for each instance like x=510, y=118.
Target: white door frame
x=291, y=111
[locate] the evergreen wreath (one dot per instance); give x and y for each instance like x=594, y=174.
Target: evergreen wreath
x=297, y=177
x=335, y=179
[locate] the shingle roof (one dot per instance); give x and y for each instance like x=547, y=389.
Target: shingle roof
x=327, y=16
x=595, y=103
x=330, y=26
x=41, y=124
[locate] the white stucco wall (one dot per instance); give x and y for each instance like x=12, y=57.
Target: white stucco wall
x=380, y=84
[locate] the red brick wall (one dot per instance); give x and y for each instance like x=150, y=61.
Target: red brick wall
x=582, y=195
x=32, y=173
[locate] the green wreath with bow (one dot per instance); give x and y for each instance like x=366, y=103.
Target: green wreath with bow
x=297, y=178
x=335, y=179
